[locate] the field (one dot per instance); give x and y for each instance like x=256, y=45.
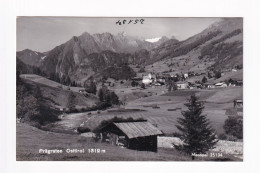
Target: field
x=47, y=82
x=58, y=96
x=30, y=140
x=161, y=110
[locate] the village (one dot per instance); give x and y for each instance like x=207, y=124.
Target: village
x=186, y=80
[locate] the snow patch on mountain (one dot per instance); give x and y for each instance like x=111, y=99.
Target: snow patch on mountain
x=153, y=40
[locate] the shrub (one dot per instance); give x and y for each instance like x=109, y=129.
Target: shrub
x=222, y=136
x=83, y=129
x=217, y=74
x=141, y=70
x=31, y=107
x=134, y=83
x=102, y=105
x=97, y=137
x=91, y=88
x=98, y=106
x=83, y=109
x=71, y=101
x=234, y=126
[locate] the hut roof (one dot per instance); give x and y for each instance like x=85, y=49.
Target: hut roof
x=137, y=129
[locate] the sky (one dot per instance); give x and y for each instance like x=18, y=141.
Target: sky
x=44, y=33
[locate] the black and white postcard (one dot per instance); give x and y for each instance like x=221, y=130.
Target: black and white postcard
x=129, y=89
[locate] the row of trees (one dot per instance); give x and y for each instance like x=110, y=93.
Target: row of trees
x=30, y=104
x=107, y=96
x=91, y=87
x=65, y=80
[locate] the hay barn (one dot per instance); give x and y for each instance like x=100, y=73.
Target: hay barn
x=137, y=135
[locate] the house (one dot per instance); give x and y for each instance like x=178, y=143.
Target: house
x=234, y=70
x=238, y=103
x=235, y=82
x=221, y=85
x=198, y=86
x=186, y=75
x=136, y=135
x=239, y=83
x=182, y=85
x=62, y=109
x=147, y=80
x=161, y=80
x=209, y=85
x=191, y=85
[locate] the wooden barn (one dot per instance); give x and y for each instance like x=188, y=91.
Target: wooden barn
x=137, y=135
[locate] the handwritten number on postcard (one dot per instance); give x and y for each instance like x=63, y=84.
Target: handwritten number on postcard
x=130, y=21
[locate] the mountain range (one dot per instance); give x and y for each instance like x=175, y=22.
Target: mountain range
x=219, y=46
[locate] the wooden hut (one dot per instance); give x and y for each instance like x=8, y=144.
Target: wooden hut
x=137, y=135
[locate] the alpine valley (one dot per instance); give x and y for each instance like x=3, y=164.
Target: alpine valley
x=82, y=57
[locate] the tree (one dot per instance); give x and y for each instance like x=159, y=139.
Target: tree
x=197, y=135
x=101, y=95
x=68, y=81
x=217, y=74
x=171, y=84
x=141, y=70
x=204, y=79
x=209, y=75
x=134, y=83
x=107, y=97
x=71, y=104
x=57, y=77
x=143, y=85
x=234, y=126
x=63, y=80
x=18, y=79
x=28, y=108
x=27, y=103
x=114, y=98
x=52, y=76
x=92, y=87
